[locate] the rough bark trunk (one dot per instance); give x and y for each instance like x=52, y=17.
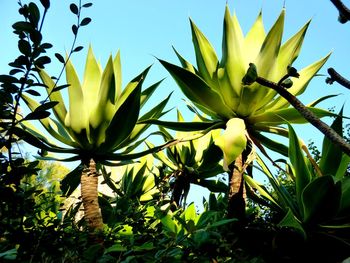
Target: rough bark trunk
x=89, y=194
x=237, y=191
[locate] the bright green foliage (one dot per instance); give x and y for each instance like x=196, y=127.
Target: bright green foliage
x=134, y=181
x=216, y=87
x=101, y=117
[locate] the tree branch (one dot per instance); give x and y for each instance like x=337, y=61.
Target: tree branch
x=335, y=76
x=344, y=12
x=332, y=135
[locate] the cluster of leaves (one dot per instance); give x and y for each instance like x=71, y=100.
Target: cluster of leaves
x=305, y=207
x=29, y=207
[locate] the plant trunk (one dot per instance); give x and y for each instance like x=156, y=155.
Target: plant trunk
x=237, y=191
x=89, y=194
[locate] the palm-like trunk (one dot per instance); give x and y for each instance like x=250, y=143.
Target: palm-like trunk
x=237, y=191
x=89, y=194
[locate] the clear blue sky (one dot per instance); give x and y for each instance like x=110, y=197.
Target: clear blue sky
x=144, y=29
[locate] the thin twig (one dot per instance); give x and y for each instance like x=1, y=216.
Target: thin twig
x=332, y=135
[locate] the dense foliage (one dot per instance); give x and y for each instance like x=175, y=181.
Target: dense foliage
x=132, y=205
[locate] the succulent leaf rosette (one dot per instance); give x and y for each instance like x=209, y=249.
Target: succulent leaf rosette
x=215, y=86
x=194, y=160
x=101, y=118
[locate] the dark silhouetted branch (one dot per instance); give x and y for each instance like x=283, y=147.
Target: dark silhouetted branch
x=332, y=135
x=335, y=76
x=344, y=12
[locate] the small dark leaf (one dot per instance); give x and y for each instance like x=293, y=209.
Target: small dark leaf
x=15, y=64
x=46, y=45
x=36, y=37
x=45, y=3
x=74, y=29
x=23, y=26
x=41, y=61
x=60, y=58
x=46, y=106
x=77, y=49
x=32, y=92
x=37, y=115
x=15, y=71
x=10, y=87
x=85, y=21
x=22, y=60
x=87, y=5
x=34, y=14
x=24, y=47
x=8, y=79
x=74, y=9
x=60, y=87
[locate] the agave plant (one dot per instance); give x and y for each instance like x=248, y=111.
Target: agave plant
x=317, y=203
x=194, y=161
x=98, y=126
x=132, y=181
x=215, y=87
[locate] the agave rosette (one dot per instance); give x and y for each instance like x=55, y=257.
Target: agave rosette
x=215, y=87
x=195, y=158
x=136, y=180
x=101, y=119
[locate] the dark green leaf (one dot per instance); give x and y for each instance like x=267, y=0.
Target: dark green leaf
x=36, y=37
x=87, y=5
x=331, y=153
x=271, y=144
x=32, y=92
x=77, y=49
x=129, y=111
x=47, y=106
x=8, y=79
x=71, y=181
x=345, y=199
x=24, y=47
x=60, y=58
x=41, y=61
x=74, y=29
x=60, y=87
x=23, y=26
x=85, y=21
x=73, y=7
x=45, y=3
x=40, y=142
x=300, y=169
x=34, y=14
x=37, y=115
x=46, y=45
x=291, y=221
x=321, y=199
x=15, y=71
